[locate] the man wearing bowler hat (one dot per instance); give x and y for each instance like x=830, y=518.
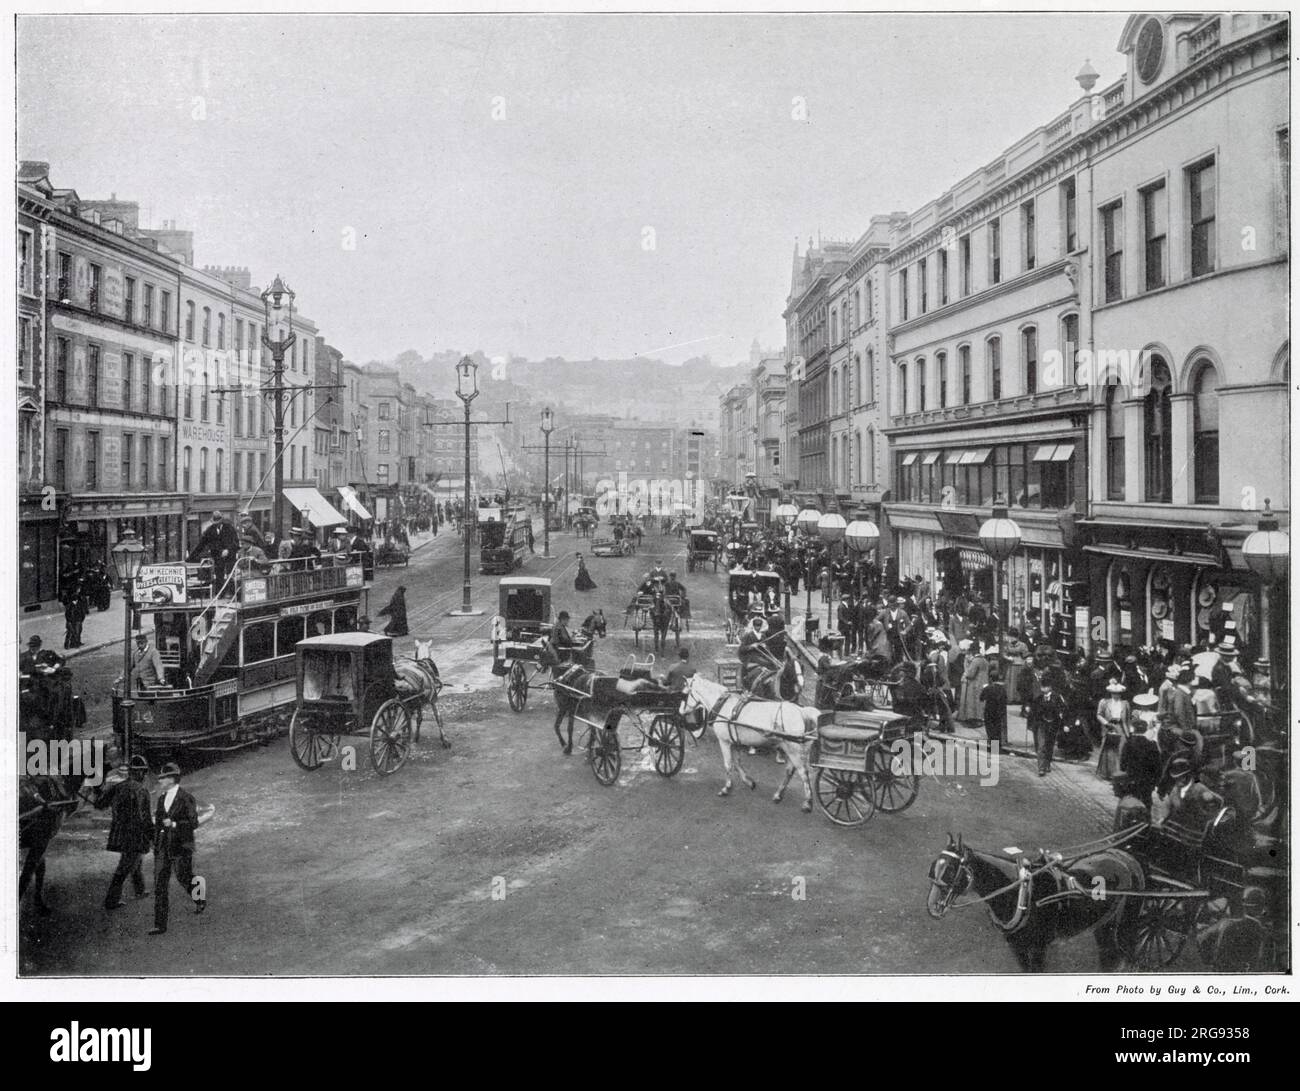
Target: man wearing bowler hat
x=130, y=833
x=175, y=819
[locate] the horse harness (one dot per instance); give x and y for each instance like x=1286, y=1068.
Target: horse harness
x=742, y=700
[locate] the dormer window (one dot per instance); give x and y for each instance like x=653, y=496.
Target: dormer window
x=1150, y=52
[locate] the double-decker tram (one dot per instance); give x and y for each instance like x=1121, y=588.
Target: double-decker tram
x=503, y=538
x=227, y=652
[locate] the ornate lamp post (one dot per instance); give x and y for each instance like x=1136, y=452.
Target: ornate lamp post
x=861, y=536
x=467, y=391
x=830, y=528
x=1000, y=537
x=127, y=557
x=1267, y=553
x=278, y=336
x=548, y=426
x=785, y=515
x=806, y=522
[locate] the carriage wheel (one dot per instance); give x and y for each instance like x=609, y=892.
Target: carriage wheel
x=390, y=738
x=844, y=797
x=604, y=755
x=1232, y=943
x=517, y=686
x=668, y=742
x=1157, y=936
x=891, y=790
x=310, y=749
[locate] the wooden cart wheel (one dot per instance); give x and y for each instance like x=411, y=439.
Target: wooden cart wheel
x=844, y=797
x=1157, y=936
x=1232, y=944
x=668, y=742
x=604, y=755
x=517, y=686
x=390, y=738
x=892, y=789
x=310, y=749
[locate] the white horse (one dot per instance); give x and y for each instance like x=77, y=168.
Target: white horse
x=420, y=675
x=738, y=721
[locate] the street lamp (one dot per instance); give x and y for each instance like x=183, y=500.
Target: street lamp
x=1267, y=553
x=861, y=536
x=127, y=556
x=278, y=336
x=1000, y=537
x=806, y=521
x=548, y=426
x=467, y=391
x=830, y=528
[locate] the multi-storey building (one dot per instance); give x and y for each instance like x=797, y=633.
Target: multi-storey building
x=1183, y=200
x=105, y=407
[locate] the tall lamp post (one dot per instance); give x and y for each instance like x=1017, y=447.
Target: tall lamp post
x=277, y=306
x=1267, y=553
x=806, y=522
x=830, y=528
x=1000, y=537
x=548, y=426
x=127, y=557
x=785, y=515
x=861, y=536
x=467, y=391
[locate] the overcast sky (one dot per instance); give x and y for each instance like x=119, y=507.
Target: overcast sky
x=524, y=232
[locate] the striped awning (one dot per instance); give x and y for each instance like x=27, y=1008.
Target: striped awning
x=350, y=499
x=311, y=504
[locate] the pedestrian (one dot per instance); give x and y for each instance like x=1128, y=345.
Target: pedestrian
x=529, y=527
x=994, y=700
x=974, y=677
x=1140, y=761
x=1113, y=715
x=74, y=615
x=146, y=665
x=395, y=611
x=130, y=830
x=175, y=819
x=583, y=581
x=1049, y=712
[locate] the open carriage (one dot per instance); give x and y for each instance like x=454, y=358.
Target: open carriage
x=750, y=593
x=348, y=685
x=860, y=767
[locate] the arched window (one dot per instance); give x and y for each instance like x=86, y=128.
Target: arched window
x=1029, y=358
x=220, y=470
x=902, y=389
x=186, y=460
x=963, y=360
x=941, y=366
x=857, y=461
x=1157, y=413
x=858, y=388
x=870, y=389
x=993, y=354
x=835, y=460
x=835, y=391
x=203, y=398
x=1205, y=434
x=920, y=383
x=835, y=325
x=846, y=398
x=1114, y=443
x=871, y=455
x=203, y=469
x=845, y=445
x=1069, y=348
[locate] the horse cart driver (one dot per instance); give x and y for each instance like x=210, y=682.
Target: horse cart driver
x=758, y=666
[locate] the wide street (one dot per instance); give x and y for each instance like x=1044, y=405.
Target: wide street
x=502, y=856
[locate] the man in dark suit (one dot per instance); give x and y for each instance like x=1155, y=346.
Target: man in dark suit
x=175, y=819
x=220, y=541
x=130, y=833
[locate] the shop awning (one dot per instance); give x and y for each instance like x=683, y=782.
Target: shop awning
x=1061, y=452
x=952, y=458
x=931, y=458
x=1160, y=557
x=908, y=459
x=349, y=495
x=977, y=457
x=311, y=504
x=1044, y=454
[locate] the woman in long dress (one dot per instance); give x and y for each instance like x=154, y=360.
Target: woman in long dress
x=395, y=611
x=1015, y=654
x=1115, y=718
x=583, y=581
x=974, y=678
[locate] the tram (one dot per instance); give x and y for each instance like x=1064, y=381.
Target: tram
x=228, y=653
x=503, y=539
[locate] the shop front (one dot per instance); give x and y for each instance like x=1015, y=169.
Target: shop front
x=92, y=527
x=38, y=549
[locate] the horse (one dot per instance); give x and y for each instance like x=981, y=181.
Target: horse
x=740, y=721
x=420, y=676
x=1018, y=895
x=662, y=617
x=783, y=681
x=594, y=624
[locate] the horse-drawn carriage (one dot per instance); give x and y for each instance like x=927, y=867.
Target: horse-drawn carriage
x=750, y=593
x=519, y=630
x=611, y=547
x=703, y=547
x=348, y=684
x=860, y=767
x=391, y=552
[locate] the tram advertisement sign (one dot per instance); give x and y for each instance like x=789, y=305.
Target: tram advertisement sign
x=159, y=585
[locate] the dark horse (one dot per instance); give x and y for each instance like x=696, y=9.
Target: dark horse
x=1024, y=910
x=663, y=618
x=777, y=682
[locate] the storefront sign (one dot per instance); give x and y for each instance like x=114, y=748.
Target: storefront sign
x=159, y=585
x=1125, y=621
x=306, y=607
x=1167, y=628
x=202, y=433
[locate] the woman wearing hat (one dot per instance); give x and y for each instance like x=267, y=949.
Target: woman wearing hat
x=974, y=678
x=583, y=581
x=395, y=611
x=1015, y=654
x=1113, y=713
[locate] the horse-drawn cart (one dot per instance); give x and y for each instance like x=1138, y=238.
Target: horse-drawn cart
x=750, y=593
x=519, y=633
x=611, y=547
x=703, y=547
x=858, y=769
x=348, y=685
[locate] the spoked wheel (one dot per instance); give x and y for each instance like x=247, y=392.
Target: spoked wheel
x=1158, y=934
x=1233, y=944
x=310, y=749
x=390, y=738
x=604, y=755
x=517, y=686
x=893, y=789
x=845, y=797
x=667, y=743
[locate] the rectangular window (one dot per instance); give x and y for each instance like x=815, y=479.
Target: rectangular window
x=96, y=279
x=207, y=326
x=963, y=360
x=261, y=466
x=995, y=368
x=26, y=261
x=1155, y=235
x=1200, y=192
x=164, y=482
x=942, y=273
x=963, y=256
x=381, y=473
x=920, y=385
x=1028, y=235
x=92, y=375
x=189, y=319
x=128, y=302
x=385, y=410
x=203, y=398
x=239, y=335
x=923, y=288
x=995, y=251
x=1070, y=215
x=61, y=459
x=128, y=373
x=92, y=460
x=26, y=331
x=221, y=455
x=61, y=352
x=1070, y=347
x=941, y=365
x=165, y=311
x=902, y=294
x=221, y=334
x=383, y=441
x=1112, y=243
x=146, y=305
x=128, y=452
x=1029, y=351
x=146, y=461
x=203, y=469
